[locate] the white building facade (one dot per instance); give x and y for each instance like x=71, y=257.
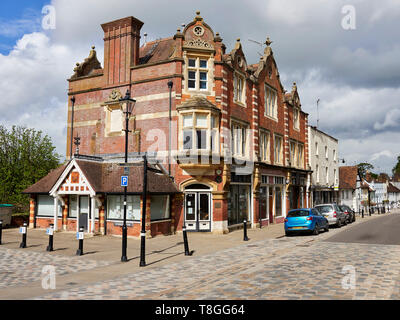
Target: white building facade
x=324, y=163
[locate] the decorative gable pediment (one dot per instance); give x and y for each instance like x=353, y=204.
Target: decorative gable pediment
x=86, y=68
x=198, y=35
x=72, y=181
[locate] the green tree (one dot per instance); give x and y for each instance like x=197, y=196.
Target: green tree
x=26, y=156
x=396, y=169
x=363, y=167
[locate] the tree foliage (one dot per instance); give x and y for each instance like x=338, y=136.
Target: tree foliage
x=363, y=167
x=26, y=156
x=396, y=168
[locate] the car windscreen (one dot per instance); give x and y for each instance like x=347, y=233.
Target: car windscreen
x=299, y=213
x=324, y=209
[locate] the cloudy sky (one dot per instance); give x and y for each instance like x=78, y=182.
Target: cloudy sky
x=354, y=72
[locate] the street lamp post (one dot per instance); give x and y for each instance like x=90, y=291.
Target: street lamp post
x=130, y=103
x=144, y=206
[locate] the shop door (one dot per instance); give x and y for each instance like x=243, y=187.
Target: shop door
x=83, y=212
x=198, y=211
x=271, y=205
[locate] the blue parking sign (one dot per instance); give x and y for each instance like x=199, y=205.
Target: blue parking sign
x=124, y=181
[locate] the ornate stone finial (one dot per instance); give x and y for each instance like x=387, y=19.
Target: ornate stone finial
x=268, y=42
x=294, y=87
x=178, y=30
x=198, y=17
x=217, y=34
x=93, y=47
x=238, y=39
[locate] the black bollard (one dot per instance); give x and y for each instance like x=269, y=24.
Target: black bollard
x=50, y=232
x=379, y=210
x=245, y=231
x=362, y=213
x=1, y=229
x=24, y=231
x=80, y=237
x=185, y=242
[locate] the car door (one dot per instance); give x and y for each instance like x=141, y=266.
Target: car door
x=318, y=218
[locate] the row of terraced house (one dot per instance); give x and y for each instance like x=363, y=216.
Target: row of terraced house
x=224, y=140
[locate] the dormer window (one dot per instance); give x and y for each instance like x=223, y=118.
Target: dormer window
x=197, y=73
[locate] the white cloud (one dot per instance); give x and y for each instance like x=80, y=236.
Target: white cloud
x=34, y=87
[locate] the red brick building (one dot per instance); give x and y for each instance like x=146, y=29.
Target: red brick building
x=233, y=140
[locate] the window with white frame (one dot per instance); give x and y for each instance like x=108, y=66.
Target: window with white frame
x=327, y=174
x=239, y=139
x=197, y=73
x=239, y=88
x=334, y=155
x=316, y=148
x=278, y=149
x=271, y=98
x=292, y=153
x=115, y=207
x=326, y=152
x=300, y=155
x=317, y=172
x=264, y=146
x=296, y=118
x=200, y=131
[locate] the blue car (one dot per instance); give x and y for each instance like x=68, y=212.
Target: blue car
x=305, y=220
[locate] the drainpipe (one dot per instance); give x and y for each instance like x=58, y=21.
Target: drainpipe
x=170, y=85
x=72, y=126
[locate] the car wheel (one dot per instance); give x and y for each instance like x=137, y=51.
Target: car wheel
x=339, y=224
x=316, y=231
x=345, y=222
x=327, y=227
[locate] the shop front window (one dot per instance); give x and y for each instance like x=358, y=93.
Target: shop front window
x=115, y=207
x=263, y=202
x=239, y=204
x=278, y=201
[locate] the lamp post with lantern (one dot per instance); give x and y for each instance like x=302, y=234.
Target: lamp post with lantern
x=129, y=105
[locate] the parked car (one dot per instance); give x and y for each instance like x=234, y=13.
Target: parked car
x=332, y=212
x=350, y=214
x=305, y=220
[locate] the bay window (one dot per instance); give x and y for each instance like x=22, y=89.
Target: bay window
x=200, y=131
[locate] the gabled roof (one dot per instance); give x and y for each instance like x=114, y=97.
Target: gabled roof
x=158, y=50
x=348, y=177
x=392, y=189
x=105, y=177
x=45, y=184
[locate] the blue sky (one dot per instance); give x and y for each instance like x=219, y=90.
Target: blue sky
x=17, y=18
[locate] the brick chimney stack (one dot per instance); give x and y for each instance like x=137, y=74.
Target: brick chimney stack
x=121, y=48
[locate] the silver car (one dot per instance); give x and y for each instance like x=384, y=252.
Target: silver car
x=332, y=212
